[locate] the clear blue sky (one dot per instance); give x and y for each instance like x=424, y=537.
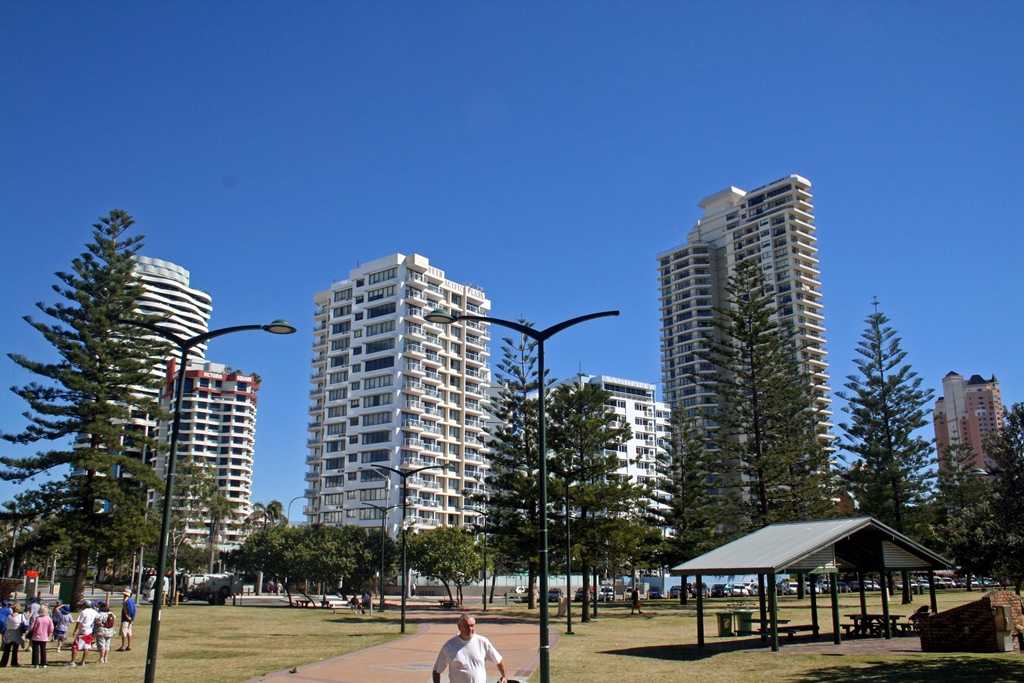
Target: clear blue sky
x=545, y=152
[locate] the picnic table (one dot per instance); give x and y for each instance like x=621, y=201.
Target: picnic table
x=871, y=624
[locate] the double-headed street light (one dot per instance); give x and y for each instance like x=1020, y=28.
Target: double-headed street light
x=405, y=474
x=384, y=510
x=442, y=317
x=183, y=345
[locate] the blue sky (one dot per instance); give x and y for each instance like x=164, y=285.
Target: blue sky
x=545, y=152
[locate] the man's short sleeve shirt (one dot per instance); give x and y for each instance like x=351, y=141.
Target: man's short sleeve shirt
x=466, y=660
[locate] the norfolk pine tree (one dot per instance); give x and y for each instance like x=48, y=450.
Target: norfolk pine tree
x=772, y=462
x=513, y=512
x=886, y=404
x=585, y=435
x=86, y=401
x=690, y=515
x=890, y=470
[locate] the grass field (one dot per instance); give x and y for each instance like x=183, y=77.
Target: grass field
x=660, y=647
x=203, y=644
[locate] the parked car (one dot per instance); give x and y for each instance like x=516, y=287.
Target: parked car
x=607, y=593
x=674, y=591
x=842, y=587
x=785, y=588
x=753, y=588
x=579, y=594
x=655, y=594
x=738, y=590
x=555, y=594
x=719, y=590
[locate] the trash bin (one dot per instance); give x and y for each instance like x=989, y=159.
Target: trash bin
x=66, y=590
x=725, y=624
x=745, y=622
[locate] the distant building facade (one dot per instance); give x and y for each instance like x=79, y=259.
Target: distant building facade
x=966, y=413
x=218, y=431
x=390, y=388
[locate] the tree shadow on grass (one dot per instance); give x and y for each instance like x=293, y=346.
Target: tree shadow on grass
x=688, y=652
x=1001, y=669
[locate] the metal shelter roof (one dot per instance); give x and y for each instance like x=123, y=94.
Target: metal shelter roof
x=849, y=544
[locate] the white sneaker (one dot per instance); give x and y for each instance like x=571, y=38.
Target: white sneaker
x=71, y=664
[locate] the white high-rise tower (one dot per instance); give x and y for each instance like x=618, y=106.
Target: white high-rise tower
x=390, y=388
x=774, y=224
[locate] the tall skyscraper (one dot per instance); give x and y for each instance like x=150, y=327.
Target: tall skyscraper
x=390, y=388
x=218, y=431
x=966, y=413
x=218, y=420
x=773, y=224
x=186, y=311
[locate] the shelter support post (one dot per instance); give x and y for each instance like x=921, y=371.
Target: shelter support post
x=814, y=604
x=699, y=587
x=863, y=593
x=763, y=609
x=931, y=590
x=773, y=607
x=834, y=590
x=887, y=625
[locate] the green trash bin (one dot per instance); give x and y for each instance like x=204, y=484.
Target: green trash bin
x=725, y=624
x=745, y=623
x=66, y=590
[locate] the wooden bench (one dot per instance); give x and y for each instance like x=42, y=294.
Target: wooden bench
x=791, y=630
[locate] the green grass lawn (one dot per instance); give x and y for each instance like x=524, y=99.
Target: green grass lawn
x=660, y=647
x=203, y=644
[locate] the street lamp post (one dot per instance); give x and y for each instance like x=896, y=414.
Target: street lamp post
x=183, y=345
x=483, y=529
x=405, y=474
x=383, y=531
x=288, y=514
x=443, y=317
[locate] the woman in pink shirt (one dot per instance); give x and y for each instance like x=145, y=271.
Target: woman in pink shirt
x=39, y=633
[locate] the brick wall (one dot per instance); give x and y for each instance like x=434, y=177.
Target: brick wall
x=970, y=627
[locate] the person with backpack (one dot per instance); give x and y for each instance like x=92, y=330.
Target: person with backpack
x=13, y=638
x=104, y=630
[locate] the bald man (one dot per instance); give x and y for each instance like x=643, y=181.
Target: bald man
x=465, y=656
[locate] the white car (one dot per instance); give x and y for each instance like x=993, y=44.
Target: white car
x=740, y=590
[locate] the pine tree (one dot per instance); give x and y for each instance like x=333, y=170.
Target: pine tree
x=87, y=399
x=513, y=511
x=690, y=513
x=889, y=472
x=958, y=487
x=771, y=461
x=585, y=435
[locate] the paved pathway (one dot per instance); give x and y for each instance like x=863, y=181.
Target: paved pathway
x=410, y=659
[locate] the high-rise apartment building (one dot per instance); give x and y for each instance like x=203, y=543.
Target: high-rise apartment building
x=635, y=403
x=966, y=413
x=218, y=431
x=219, y=405
x=392, y=389
x=773, y=224
x=186, y=312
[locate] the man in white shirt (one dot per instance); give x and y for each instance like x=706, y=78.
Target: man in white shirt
x=465, y=656
x=82, y=637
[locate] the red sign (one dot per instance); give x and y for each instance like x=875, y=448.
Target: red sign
x=32, y=575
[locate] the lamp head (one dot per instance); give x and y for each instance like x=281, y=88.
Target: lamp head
x=441, y=317
x=280, y=327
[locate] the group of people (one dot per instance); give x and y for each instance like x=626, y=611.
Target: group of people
x=36, y=625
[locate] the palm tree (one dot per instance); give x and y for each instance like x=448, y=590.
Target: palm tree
x=275, y=512
x=220, y=509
